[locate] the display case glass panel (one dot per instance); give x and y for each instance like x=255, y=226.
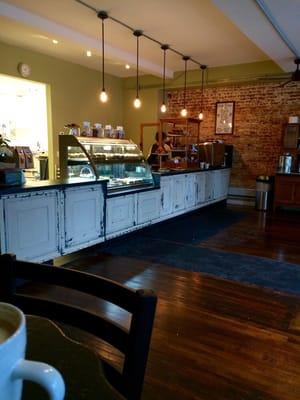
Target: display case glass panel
x=120, y=161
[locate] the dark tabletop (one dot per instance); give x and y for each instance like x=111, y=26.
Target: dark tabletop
x=80, y=367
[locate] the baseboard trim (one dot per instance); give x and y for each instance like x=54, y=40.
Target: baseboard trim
x=241, y=196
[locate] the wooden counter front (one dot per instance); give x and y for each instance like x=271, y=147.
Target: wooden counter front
x=287, y=190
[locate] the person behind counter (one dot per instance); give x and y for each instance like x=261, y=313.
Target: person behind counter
x=156, y=149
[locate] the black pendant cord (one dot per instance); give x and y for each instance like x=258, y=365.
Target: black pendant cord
x=137, y=34
x=164, y=79
x=137, y=67
x=164, y=47
x=184, y=84
x=203, y=68
x=202, y=87
x=102, y=15
x=185, y=58
x=103, y=89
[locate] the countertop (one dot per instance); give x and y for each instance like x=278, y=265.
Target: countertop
x=71, y=182
x=185, y=171
x=288, y=174
x=48, y=185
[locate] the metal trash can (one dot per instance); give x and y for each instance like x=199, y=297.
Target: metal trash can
x=263, y=192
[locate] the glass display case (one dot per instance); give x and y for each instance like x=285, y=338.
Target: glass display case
x=118, y=160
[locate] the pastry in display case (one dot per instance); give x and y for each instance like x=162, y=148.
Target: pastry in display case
x=118, y=160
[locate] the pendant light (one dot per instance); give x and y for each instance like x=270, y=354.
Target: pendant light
x=183, y=112
x=203, y=68
x=163, y=107
x=103, y=95
x=137, y=102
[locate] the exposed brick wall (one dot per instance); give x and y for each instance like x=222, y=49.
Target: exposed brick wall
x=261, y=111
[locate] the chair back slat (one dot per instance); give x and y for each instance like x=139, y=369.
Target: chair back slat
x=97, y=325
x=110, y=291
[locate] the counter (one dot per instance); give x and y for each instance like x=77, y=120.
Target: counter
x=175, y=193
x=158, y=174
x=46, y=219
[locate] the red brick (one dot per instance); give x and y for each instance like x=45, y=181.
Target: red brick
x=261, y=111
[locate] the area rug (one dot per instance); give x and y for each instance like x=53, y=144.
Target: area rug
x=195, y=227
x=175, y=244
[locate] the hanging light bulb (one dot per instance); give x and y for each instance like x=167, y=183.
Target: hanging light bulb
x=184, y=112
x=203, y=68
x=137, y=102
x=163, y=107
x=103, y=95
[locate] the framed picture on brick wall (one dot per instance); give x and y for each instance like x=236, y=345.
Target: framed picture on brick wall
x=224, y=117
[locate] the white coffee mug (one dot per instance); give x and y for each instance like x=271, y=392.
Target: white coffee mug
x=13, y=368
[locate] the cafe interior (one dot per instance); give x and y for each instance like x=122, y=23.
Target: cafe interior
x=150, y=196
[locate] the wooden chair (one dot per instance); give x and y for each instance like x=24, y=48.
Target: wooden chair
x=134, y=343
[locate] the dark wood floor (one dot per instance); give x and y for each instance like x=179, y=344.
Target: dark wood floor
x=214, y=339
x=274, y=235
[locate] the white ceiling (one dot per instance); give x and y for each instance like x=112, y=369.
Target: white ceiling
x=214, y=32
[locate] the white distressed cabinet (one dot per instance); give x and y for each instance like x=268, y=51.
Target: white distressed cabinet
x=120, y=214
x=148, y=206
x=166, y=194
x=83, y=217
x=200, y=187
x=190, y=191
x=225, y=180
x=220, y=180
x=178, y=192
x=216, y=183
x=209, y=186
x=31, y=228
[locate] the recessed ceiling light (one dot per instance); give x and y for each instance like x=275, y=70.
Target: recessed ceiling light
x=54, y=41
x=89, y=53
x=127, y=66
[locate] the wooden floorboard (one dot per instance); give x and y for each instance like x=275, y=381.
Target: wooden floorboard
x=213, y=339
x=273, y=235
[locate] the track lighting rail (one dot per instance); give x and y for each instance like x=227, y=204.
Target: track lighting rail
x=100, y=12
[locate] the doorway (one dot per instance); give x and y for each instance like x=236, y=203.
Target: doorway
x=24, y=117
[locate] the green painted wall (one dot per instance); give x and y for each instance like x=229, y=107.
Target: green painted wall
x=150, y=92
x=73, y=89
x=134, y=117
